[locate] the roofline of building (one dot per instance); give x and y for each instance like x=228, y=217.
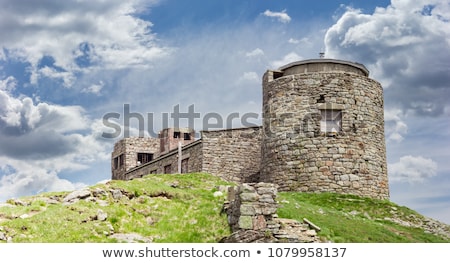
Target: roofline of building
x=325, y=60
x=194, y=143
x=233, y=129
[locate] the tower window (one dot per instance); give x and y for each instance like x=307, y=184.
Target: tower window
x=176, y=135
x=187, y=136
x=331, y=121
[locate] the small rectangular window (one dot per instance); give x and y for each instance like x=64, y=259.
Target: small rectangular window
x=176, y=135
x=121, y=160
x=331, y=121
x=187, y=136
x=116, y=162
x=144, y=157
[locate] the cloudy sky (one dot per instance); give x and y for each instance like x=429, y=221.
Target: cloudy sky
x=64, y=65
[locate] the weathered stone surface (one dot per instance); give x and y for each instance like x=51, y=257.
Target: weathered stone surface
x=247, y=209
x=249, y=197
x=266, y=190
x=98, y=192
x=76, y=195
x=101, y=215
x=255, y=220
x=266, y=198
x=217, y=194
x=247, y=236
x=259, y=222
x=124, y=155
x=232, y=154
x=20, y=203
x=24, y=216
x=246, y=222
x=116, y=194
x=246, y=188
x=130, y=238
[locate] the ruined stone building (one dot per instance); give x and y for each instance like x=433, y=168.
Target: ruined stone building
x=323, y=131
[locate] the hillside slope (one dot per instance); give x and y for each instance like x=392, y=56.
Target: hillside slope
x=187, y=208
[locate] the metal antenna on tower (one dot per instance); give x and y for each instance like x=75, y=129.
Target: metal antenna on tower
x=321, y=54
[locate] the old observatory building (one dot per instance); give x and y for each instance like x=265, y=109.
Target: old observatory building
x=323, y=131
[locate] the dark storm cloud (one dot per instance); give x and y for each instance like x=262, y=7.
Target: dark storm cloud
x=35, y=145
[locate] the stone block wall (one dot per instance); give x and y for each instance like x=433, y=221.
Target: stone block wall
x=298, y=156
x=124, y=155
x=191, y=162
x=252, y=206
x=233, y=154
x=252, y=215
x=170, y=137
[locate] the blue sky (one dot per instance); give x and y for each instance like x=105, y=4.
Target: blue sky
x=65, y=64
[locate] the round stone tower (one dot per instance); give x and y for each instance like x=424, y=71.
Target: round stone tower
x=323, y=129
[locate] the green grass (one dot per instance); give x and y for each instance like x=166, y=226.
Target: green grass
x=188, y=212
x=183, y=209
x=352, y=219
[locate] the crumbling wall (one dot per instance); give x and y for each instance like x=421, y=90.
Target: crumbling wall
x=252, y=215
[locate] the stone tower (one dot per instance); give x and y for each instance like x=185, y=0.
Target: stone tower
x=323, y=129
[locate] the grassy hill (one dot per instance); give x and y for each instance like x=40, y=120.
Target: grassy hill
x=187, y=208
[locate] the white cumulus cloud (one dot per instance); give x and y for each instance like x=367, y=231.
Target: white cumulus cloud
x=405, y=45
x=77, y=35
x=94, y=88
x=255, y=53
x=288, y=58
x=412, y=169
x=282, y=16
x=395, y=127
x=39, y=140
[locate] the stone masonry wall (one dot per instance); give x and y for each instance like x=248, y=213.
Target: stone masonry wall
x=128, y=148
x=252, y=206
x=191, y=155
x=168, y=142
x=252, y=215
x=297, y=156
x=233, y=154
